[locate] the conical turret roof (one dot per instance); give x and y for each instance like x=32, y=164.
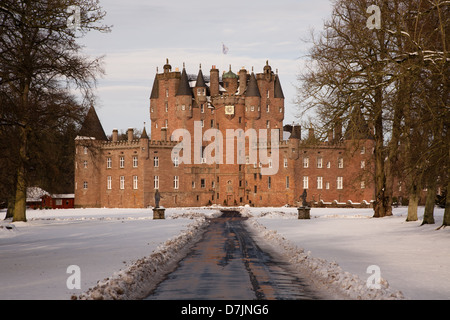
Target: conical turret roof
x=278, y=93
x=184, y=89
x=357, y=127
x=200, y=80
x=252, y=88
x=92, y=127
x=155, y=89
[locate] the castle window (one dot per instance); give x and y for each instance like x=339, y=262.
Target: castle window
x=156, y=162
x=108, y=163
x=176, y=182
x=175, y=161
x=305, y=182
x=363, y=164
x=340, y=163
x=267, y=124
x=122, y=162
x=122, y=182
x=319, y=182
x=156, y=182
x=85, y=163
x=252, y=108
x=328, y=164
x=167, y=106
x=327, y=185
x=166, y=123
x=270, y=163
x=183, y=107
x=256, y=189
x=287, y=182
x=85, y=150
x=339, y=183
x=202, y=108
x=167, y=93
x=305, y=162
x=267, y=108
x=319, y=162
x=109, y=183
x=202, y=183
x=85, y=185
x=193, y=184
x=363, y=185
x=281, y=110
x=135, y=161
x=269, y=182
x=135, y=182
x=268, y=95
x=202, y=123
x=363, y=150
x=285, y=162
x=212, y=123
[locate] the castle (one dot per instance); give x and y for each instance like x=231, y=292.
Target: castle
x=221, y=140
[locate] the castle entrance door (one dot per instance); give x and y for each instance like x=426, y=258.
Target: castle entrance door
x=230, y=199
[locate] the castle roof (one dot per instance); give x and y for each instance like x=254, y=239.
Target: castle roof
x=184, y=89
x=278, y=91
x=252, y=88
x=357, y=127
x=229, y=75
x=200, y=80
x=144, y=134
x=92, y=127
x=155, y=89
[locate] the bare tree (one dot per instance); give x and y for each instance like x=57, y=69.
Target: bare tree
x=40, y=62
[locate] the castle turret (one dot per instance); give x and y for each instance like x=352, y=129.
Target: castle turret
x=252, y=99
x=200, y=89
x=243, y=77
x=154, y=110
x=184, y=97
x=92, y=127
x=278, y=101
x=230, y=81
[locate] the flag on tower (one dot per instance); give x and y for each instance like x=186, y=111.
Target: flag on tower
x=224, y=49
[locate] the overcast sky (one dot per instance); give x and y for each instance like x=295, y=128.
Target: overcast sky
x=146, y=32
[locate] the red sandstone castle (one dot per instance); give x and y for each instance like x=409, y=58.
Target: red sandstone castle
x=202, y=150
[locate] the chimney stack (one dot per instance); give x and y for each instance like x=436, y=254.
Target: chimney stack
x=130, y=134
x=214, y=81
x=115, y=135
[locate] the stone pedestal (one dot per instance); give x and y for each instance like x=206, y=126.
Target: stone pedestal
x=159, y=213
x=303, y=212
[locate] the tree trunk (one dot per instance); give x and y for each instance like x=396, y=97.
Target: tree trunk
x=380, y=178
x=413, y=203
x=10, y=210
x=428, y=216
x=21, y=188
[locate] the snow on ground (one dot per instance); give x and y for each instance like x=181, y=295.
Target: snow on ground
x=340, y=244
x=116, y=248
x=103, y=243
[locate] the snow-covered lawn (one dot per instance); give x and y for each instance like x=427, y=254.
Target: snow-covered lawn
x=111, y=244
x=412, y=258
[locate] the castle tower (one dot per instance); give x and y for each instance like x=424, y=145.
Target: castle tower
x=230, y=81
x=184, y=98
x=252, y=99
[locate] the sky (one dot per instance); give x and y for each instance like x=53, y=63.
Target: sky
x=147, y=32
